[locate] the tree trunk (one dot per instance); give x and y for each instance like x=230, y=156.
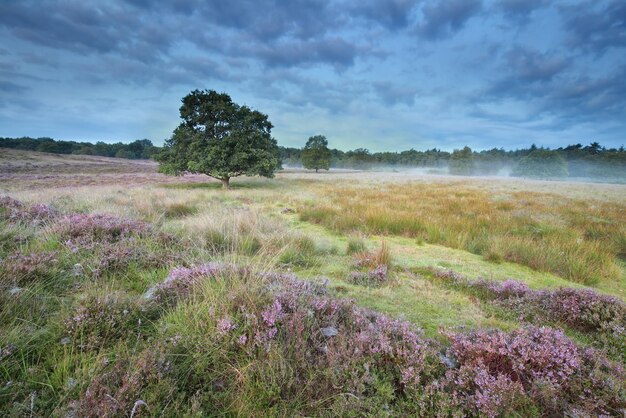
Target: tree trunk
x=225, y=182
x=316, y=170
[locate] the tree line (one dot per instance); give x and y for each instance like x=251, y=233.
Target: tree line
x=593, y=160
x=136, y=150
x=223, y=139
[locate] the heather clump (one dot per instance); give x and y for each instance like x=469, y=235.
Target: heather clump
x=100, y=320
x=496, y=372
x=113, y=244
x=374, y=277
x=20, y=268
x=332, y=347
x=582, y=309
x=181, y=281
x=84, y=229
x=14, y=211
x=127, y=386
x=373, y=267
x=117, y=257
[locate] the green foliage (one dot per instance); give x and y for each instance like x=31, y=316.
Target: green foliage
x=462, y=162
x=136, y=150
x=541, y=163
x=316, y=154
x=221, y=139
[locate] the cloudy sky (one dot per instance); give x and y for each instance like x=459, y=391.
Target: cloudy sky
x=379, y=74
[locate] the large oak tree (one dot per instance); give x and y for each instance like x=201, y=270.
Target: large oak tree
x=221, y=139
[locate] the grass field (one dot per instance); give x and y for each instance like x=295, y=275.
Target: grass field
x=124, y=292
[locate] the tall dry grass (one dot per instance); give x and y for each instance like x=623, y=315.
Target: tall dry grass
x=582, y=241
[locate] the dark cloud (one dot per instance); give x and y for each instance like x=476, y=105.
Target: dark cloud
x=520, y=9
x=589, y=99
x=530, y=65
x=444, y=18
x=596, y=28
x=334, y=51
x=10, y=87
x=392, y=94
x=333, y=58
x=525, y=74
x=392, y=14
x=71, y=26
x=549, y=84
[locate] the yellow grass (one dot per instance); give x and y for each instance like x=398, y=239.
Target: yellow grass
x=581, y=240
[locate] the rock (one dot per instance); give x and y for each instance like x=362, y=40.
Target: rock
x=78, y=270
x=329, y=331
x=15, y=290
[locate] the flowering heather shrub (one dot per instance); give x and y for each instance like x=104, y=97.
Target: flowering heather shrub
x=100, y=320
x=15, y=211
x=181, y=280
x=582, y=309
x=87, y=228
x=119, y=256
x=358, y=351
x=6, y=350
x=498, y=371
x=117, y=389
x=309, y=350
x=376, y=264
x=586, y=309
x=375, y=277
x=20, y=268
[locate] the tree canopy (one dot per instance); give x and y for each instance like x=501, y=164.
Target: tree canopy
x=221, y=139
x=462, y=162
x=316, y=154
x=541, y=163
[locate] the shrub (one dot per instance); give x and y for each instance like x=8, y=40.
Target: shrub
x=375, y=277
x=15, y=211
x=275, y=344
x=101, y=320
x=119, y=388
x=99, y=228
x=20, y=268
x=180, y=282
x=541, y=164
x=119, y=256
x=376, y=265
x=581, y=309
x=331, y=346
x=540, y=364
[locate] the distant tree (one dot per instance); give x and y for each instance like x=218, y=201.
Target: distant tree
x=462, y=162
x=316, y=154
x=221, y=139
x=541, y=163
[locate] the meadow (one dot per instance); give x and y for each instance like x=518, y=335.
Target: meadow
x=124, y=292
